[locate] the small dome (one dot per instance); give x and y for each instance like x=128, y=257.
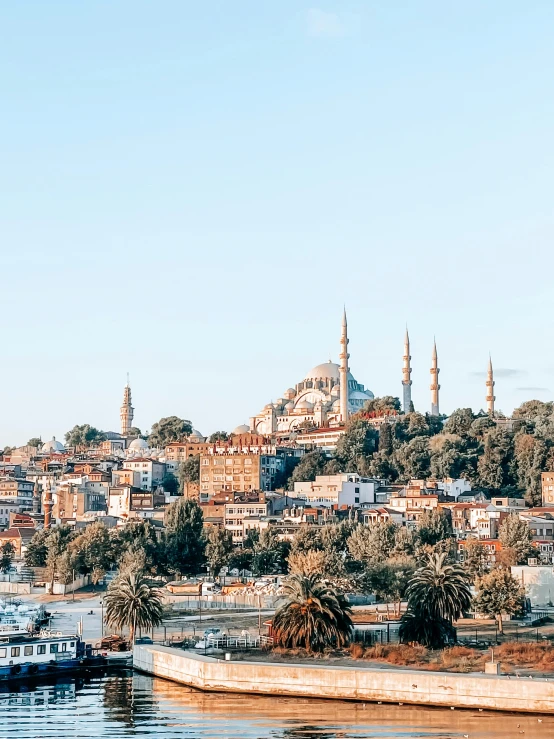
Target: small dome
x=289, y=406
x=289, y=394
x=243, y=429
x=138, y=445
x=196, y=435
x=335, y=391
x=304, y=405
x=336, y=405
x=52, y=446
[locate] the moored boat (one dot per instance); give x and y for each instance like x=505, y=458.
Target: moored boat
x=23, y=655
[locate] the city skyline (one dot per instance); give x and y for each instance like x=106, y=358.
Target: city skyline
x=195, y=203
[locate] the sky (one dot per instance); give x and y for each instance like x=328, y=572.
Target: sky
x=191, y=191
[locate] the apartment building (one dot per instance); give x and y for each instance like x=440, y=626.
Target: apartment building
x=151, y=471
x=347, y=489
x=236, y=472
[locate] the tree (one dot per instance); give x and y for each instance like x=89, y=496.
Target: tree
x=313, y=615
x=434, y=526
x=498, y=593
x=37, y=549
x=437, y=595
x=84, y=436
x=189, y=472
x=7, y=552
x=390, y=578
x=218, y=436
x=357, y=443
x=386, y=403
x=515, y=536
x=94, y=551
x=167, y=430
x=372, y=544
x=170, y=483
x=413, y=459
x=459, y=422
x=385, y=439
x=135, y=431
x=311, y=464
x=36, y=442
x=219, y=545
x=131, y=603
x=140, y=540
x=184, y=540
x=475, y=559
x=269, y=554
x=57, y=542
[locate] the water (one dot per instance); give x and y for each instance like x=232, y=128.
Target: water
x=139, y=706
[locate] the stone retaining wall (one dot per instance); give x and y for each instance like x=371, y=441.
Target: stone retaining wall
x=345, y=683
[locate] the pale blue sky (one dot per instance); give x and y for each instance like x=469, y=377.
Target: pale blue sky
x=189, y=191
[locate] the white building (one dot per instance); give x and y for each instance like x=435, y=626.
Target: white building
x=151, y=472
x=347, y=489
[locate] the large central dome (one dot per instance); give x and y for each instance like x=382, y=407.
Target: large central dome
x=325, y=370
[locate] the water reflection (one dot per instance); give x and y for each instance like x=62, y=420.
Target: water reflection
x=120, y=705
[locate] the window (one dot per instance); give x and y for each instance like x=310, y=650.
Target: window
x=64, y=647
x=27, y=651
x=54, y=648
x=41, y=649
x=206, y=461
x=72, y=644
x=3, y=652
x=16, y=651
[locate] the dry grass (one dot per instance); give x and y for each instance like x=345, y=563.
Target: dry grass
x=526, y=654
x=456, y=659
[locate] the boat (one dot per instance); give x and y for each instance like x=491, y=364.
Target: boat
x=47, y=653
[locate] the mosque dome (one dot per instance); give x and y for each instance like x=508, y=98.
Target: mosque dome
x=243, y=429
x=336, y=405
x=138, y=445
x=335, y=391
x=195, y=435
x=52, y=446
x=326, y=370
x=289, y=406
x=304, y=405
x=289, y=394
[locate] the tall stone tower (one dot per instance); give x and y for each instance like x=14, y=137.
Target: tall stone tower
x=48, y=504
x=406, y=376
x=344, y=369
x=127, y=411
x=435, y=387
x=490, y=389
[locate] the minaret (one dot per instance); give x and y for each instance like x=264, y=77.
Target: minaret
x=48, y=503
x=127, y=410
x=435, y=387
x=490, y=389
x=406, y=376
x=343, y=370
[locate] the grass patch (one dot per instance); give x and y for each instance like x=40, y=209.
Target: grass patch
x=526, y=654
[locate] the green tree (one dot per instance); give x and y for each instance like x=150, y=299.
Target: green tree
x=170, y=483
x=37, y=549
x=372, y=544
x=313, y=615
x=459, y=422
x=385, y=439
x=184, y=541
x=7, y=553
x=135, y=431
x=140, y=539
x=36, y=442
x=413, y=459
x=167, y=430
x=386, y=403
x=84, y=436
x=189, y=472
x=437, y=595
x=270, y=554
x=131, y=603
x=515, y=536
x=311, y=464
x=94, y=551
x=475, y=559
x=498, y=593
x=219, y=546
x=57, y=542
x=218, y=436
x=357, y=443
x=434, y=526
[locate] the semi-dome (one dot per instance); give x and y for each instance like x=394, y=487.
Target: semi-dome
x=289, y=406
x=138, y=445
x=335, y=391
x=242, y=429
x=52, y=446
x=304, y=405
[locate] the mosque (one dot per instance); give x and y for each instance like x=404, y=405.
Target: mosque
x=325, y=398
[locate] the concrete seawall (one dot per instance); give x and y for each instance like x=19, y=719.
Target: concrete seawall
x=345, y=683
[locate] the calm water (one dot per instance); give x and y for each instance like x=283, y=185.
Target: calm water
x=137, y=705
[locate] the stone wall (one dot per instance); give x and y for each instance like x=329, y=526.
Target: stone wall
x=344, y=683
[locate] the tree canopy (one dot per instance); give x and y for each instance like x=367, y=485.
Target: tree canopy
x=84, y=436
x=167, y=430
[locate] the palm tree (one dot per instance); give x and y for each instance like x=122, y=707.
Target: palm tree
x=437, y=595
x=313, y=615
x=131, y=602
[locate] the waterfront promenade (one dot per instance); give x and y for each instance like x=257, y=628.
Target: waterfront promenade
x=499, y=693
